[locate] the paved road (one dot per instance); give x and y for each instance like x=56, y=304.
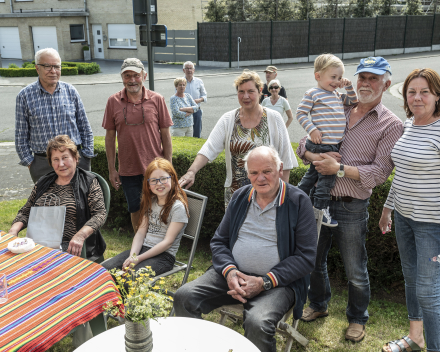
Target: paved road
x=95, y=90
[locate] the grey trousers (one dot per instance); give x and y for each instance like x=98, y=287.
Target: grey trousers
x=261, y=313
x=40, y=166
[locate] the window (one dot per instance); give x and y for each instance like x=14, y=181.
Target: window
x=122, y=36
x=77, y=33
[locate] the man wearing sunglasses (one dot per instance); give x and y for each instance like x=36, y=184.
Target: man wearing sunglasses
x=48, y=108
x=139, y=118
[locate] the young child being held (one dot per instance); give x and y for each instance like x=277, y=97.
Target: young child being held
x=164, y=216
x=325, y=125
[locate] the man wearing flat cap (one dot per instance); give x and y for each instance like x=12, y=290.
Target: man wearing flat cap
x=271, y=73
x=363, y=162
x=140, y=119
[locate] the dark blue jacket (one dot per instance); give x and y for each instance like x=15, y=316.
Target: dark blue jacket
x=296, y=238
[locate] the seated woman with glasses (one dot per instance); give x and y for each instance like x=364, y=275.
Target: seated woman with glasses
x=164, y=216
x=277, y=102
x=182, y=108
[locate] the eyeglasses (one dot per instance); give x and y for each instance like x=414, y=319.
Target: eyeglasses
x=133, y=124
x=189, y=68
x=274, y=87
x=162, y=180
x=49, y=67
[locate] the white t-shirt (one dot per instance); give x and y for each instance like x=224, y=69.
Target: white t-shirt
x=282, y=105
x=157, y=229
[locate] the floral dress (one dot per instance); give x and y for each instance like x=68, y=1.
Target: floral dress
x=242, y=141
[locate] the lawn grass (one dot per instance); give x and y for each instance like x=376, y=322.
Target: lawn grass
x=387, y=319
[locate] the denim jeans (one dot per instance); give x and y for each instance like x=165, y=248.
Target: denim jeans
x=349, y=235
x=419, y=242
x=261, y=313
x=197, y=127
x=161, y=263
x=325, y=182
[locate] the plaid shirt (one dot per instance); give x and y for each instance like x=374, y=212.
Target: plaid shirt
x=40, y=116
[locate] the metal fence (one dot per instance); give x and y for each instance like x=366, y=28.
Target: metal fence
x=300, y=41
x=182, y=47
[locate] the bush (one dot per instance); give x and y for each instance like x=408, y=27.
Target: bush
x=383, y=255
x=27, y=64
x=13, y=66
x=18, y=72
x=84, y=67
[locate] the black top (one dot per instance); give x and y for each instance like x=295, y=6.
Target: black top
x=266, y=92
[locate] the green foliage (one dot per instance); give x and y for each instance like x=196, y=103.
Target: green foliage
x=216, y=11
x=84, y=67
x=386, y=8
x=383, y=262
x=238, y=10
x=69, y=71
x=362, y=8
x=13, y=66
x=275, y=10
x=18, y=72
x=28, y=64
x=85, y=48
x=305, y=9
x=412, y=7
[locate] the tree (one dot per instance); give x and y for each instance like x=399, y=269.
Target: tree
x=275, y=10
x=363, y=8
x=412, y=7
x=330, y=9
x=238, y=10
x=215, y=11
x=305, y=9
x=386, y=8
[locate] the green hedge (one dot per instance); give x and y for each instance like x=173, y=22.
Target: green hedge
x=32, y=72
x=383, y=255
x=86, y=68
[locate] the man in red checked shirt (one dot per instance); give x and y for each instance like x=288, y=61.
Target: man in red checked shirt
x=262, y=253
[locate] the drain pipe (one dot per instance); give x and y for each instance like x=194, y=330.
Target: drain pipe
x=12, y=8
x=87, y=24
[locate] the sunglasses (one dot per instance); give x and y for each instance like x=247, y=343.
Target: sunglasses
x=274, y=87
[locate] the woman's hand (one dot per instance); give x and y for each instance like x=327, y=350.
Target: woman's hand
x=76, y=244
x=187, y=179
x=385, y=221
x=16, y=228
x=127, y=263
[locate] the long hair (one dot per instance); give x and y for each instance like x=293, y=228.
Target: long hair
x=433, y=80
x=175, y=193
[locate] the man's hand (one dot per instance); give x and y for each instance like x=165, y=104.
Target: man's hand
x=114, y=179
x=334, y=155
x=327, y=166
x=235, y=289
x=345, y=83
x=199, y=100
x=29, y=166
x=316, y=136
x=251, y=285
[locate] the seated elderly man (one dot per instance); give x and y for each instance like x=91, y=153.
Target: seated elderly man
x=262, y=253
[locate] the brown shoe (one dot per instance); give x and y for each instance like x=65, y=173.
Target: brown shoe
x=310, y=315
x=355, y=332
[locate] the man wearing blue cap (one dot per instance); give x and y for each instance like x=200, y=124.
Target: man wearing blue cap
x=362, y=163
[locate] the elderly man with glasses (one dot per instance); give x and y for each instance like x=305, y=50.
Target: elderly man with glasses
x=48, y=108
x=140, y=119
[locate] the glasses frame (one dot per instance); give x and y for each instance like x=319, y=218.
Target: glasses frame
x=133, y=124
x=272, y=87
x=49, y=68
x=158, y=180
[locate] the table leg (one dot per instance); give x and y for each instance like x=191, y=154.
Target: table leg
x=98, y=324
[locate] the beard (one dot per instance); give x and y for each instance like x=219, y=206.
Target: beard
x=365, y=99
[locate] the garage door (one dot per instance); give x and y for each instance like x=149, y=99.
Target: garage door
x=10, y=43
x=45, y=37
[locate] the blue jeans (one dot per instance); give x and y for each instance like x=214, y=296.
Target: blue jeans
x=197, y=127
x=419, y=242
x=132, y=187
x=349, y=235
x=261, y=313
x=325, y=182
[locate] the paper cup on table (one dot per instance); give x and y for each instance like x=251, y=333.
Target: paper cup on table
x=3, y=289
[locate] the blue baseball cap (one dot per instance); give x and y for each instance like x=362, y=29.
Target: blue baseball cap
x=374, y=64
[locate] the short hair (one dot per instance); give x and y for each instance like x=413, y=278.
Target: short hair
x=433, y=80
x=273, y=153
x=248, y=76
x=277, y=81
x=61, y=143
x=386, y=77
x=325, y=61
x=179, y=80
x=46, y=51
x=189, y=63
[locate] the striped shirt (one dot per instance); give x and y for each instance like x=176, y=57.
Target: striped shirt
x=367, y=145
x=40, y=116
x=326, y=111
x=415, y=192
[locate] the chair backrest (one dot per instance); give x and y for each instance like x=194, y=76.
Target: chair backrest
x=105, y=190
x=196, y=207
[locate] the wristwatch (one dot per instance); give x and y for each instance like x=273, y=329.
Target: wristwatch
x=341, y=172
x=267, y=283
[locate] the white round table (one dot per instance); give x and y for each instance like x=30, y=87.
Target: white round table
x=178, y=335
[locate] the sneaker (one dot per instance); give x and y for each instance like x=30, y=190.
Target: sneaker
x=327, y=219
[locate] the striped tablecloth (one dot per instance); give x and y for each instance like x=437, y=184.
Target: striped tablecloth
x=50, y=293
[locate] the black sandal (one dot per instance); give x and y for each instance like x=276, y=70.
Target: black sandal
x=397, y=346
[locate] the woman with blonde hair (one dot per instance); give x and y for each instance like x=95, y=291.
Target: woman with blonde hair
x=241, y=130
